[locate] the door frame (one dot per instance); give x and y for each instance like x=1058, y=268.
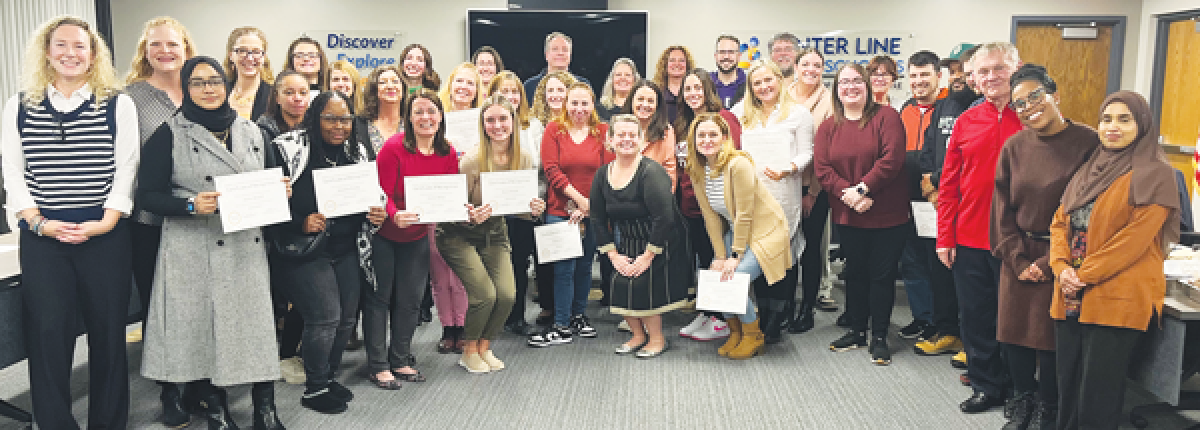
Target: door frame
x=1116, y=51
x=1162, y=31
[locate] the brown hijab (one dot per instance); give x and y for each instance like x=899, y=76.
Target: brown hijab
x=1153, y=181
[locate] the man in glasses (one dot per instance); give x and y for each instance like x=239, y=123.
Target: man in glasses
x=729, y=79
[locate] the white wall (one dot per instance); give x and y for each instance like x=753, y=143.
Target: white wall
x=937, y=25
x=21, y=19
x=1147, y=34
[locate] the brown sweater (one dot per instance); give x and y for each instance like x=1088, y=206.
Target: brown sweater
x=1123, y=266
x=845, y=154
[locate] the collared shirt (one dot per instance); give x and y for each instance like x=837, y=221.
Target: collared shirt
x=126, y=149
x=729, y=94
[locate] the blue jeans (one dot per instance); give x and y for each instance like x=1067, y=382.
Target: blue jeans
x=915, y=267
x=573, y=277
x=748, y=265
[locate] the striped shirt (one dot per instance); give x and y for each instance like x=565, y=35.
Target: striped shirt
x=714, y=188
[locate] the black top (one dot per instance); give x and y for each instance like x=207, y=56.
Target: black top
x=647, y=195
x=343, y=230
x=606, y=114
x=261, y=97
x=154, y=176
x=945, y=113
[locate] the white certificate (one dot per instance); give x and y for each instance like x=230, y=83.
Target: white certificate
x=509, y=192
x=347, y=190
x=436, y=198
x=462, y=129
x=558, y=241
x=729, y=296
x=925, y=216
x=252, y=199
x=769, y=148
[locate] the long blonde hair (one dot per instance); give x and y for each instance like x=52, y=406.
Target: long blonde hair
x=696, y=162
x=523, y=114
x=752, y=114
x=139, y=68
x=540, y=110
x=446, y=93
x=264, y=69
x=607, y=92
x=37, y=72
x=347, y=68
x=485, y=146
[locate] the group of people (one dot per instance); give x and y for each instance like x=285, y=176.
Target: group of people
x=735, y=171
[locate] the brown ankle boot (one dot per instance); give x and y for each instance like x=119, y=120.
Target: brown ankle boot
x=751, y=344
x=735, y=336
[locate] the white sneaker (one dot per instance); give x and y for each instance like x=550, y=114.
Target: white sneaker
x=292, y=370
x=624, y=326
x=696, y=323
x=712, y=330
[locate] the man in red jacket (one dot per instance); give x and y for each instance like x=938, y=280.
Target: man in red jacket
x=964, y=209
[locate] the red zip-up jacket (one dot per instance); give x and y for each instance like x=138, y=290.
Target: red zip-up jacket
x=969, y=175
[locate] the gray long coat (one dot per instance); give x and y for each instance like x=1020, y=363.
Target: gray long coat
x=210, y=310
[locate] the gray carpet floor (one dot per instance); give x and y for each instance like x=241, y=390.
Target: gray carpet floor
x=798, y=384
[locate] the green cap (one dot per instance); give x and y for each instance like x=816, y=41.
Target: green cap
x=959, y=50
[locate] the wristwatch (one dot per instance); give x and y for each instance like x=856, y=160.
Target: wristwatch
x=861, y=188
x=191, y=205
x=733, y=254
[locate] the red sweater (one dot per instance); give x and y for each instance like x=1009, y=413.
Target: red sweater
x=688, y=204
x=569, y=163
x=969, y=175
x=846, y=154
x=394, y=163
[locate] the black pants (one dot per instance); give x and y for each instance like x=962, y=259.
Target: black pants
x=544, y=277
x=145, y=242
x=289, y=324
x=702, y=251
x=872, y=264
x=1093, y=362
x=977, y=279
x=812, y=269
x=520, y=238
x=61, y=283
x=945, y=298
x=1032, y=370
x=326, y=291
x=401, y=274
x=785, y=289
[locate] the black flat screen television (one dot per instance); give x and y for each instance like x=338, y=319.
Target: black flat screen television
x=598, y=39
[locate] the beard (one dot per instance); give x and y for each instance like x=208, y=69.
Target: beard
x=788, y=71
x=732, y=66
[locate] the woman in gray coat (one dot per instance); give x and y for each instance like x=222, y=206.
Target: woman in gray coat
x=209, y=322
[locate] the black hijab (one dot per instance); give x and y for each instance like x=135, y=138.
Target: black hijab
x=216, y=120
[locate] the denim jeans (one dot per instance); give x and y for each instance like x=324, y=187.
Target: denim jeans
x=573, y=277
x=915, y=268
x=748, y=265
x=326, y=291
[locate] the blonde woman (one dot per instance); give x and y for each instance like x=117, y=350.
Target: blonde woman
x=771, y=119
x=673, y=64
x=249, y=70
x=617, y=88
x=70, y=190
x=344, y=77
x=461, y=91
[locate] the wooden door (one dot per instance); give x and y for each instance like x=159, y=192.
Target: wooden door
x=1180, y=101
x=1078, y=66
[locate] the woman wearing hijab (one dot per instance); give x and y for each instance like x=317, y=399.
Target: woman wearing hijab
x=1035, y=166
x=209, y=322
x=1108, y=241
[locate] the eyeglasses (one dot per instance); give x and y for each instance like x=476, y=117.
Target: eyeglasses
x=727, y=52
x=245, y=52
x=203, y=83
x=881, y=75
x=338, y=119
x=1034, y=99
x=304, y=55
x=851, y=82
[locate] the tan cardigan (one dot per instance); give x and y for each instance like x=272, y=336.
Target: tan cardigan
x=758, y=220
x=1123, y=268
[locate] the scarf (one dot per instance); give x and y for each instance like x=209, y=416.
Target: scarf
x=215, y=120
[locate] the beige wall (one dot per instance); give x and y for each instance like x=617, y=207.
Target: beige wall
x=937, y=25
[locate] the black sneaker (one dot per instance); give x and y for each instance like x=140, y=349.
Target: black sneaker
x=550, y=336
x=852, y=339
x=323, y=401
x=581, y=326
x=341, y=391
x=880, y=354
x=928, y=333
x=544, y=320
x=913, y=330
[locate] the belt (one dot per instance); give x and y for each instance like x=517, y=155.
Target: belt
x=1045, y=237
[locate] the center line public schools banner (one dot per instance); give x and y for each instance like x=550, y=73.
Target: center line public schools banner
x=365, y=49
x=839, y=47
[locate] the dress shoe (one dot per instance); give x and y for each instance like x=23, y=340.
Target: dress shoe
x=216, y=411
x=645, y=353
x=266, y=417
x=626, y=348
x=980, y=402
x=174, y=414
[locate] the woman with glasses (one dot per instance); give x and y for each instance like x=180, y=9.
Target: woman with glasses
x=305, y=55
x=1034, y=168
x=884, y=73
x=249, y=70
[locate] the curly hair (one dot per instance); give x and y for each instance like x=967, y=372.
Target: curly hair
x=593, y=121
x=139, y=68
x=370, y=92
x=660, y=69
x=540, y=110
x=37, y=72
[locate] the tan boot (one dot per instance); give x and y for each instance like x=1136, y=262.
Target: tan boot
x=751, y=344
x=735, y=336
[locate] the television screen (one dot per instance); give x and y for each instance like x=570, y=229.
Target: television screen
x=598, y=39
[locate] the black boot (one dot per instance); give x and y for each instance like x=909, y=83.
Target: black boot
x=265, y=415
x=1022, y=406
x=174, y=414
x=804, y=319
x=215, y=409
x=1044, y=417
x=773, y=316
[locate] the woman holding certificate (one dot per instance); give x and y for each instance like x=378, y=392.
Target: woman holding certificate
x=860, y=159
x=324, y=283
x=547, y=106
x=478, y=250
x=401, y=249
x=70, y=153
x=572, y=151
x=650, y=256
x=778, y=132
x=745, y=225
x=210, y=309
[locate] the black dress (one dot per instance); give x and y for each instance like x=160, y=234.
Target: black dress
x=644, y=215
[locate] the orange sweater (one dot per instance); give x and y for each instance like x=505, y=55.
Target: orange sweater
x=1123, y=268
x=663, y=152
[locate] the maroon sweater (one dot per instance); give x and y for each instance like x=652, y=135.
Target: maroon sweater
x=569, y=163
x=396, y=162
x=846, y=154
